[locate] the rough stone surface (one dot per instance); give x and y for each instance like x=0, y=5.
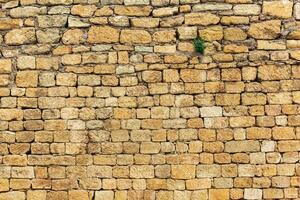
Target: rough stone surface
x=103, y=35
x=109, y=100
x=20, y=36
x=265, y=30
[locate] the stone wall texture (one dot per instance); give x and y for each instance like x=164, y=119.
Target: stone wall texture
x=108, y=100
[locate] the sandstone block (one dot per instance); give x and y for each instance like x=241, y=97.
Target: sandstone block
x=254, y=99
x=78, y=195
x=242, y=121
x=141, y=171
x=36, y=195
x=211, y=6
x=7, y=24
x=208, y=171
x=136, y=2
x=187, y=32
x=253, y=193
x=297, y=10
x=283, y=133
x=271, y=44
x=234, y=20
x=48, y=36
x=233, y=48
x=135, y=37
x=6, y=66
x=213, y=111
x=46, y=21
x=265, y=30
x=279, y=98
x=211, y=33
x=145, y=22
x=255, y=133
x=27, y=79
x=15, y=195
x=73, y=36
x=28, y=11
x=83, y=10
x=193, y=75
x=4, y=185
x=216, y=122
x=274, y=72
x=26, y=62
x=183, y=171
x=234, y=34
x=104, y=195
x=203, y=19
x=133, y=10
x=216, y=194
x=103, y=35
x=164, y=12
x=20, y=36
x=22, y=172
x=246, y=9
x=242, y=146
x=281, y=9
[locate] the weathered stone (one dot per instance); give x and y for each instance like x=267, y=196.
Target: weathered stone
x=49, y=36
x=141, y=171
x=183, y=171
x=281, y=9
x=46, y=21
x=83, y=10
x=76, y=22
x=253, y=194
x=211, y=33
x=104, y=195
x=232, y=48
x=265, y=30
x=26, y=62
x=20, y=36
x=297, y=10
x=187, y=32
x=16, y=195
x=234, y=34
x=6, y=66
x=27, y=79
x=242, y=146
x=203, y=19
x=28, y=11
x=164, y=36
x=136, y=2
x=6, y=24
x=211, y=6
x=119, y=21
x=103, y=35
x=273, y=72
x=135, y=37
x=133, y=10
x=271, y=44
x=145, y=22
x=74, y=36
x=247, y=9
x=234, y=20
x=164, y=12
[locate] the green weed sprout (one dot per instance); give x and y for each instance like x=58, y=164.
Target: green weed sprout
x=199, y=45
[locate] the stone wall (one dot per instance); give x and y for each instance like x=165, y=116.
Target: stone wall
x=107, y=99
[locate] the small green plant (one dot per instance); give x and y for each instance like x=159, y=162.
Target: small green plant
x=199, y=45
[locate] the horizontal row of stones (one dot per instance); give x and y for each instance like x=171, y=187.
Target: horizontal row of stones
x=203, y=194
x=266, y=32
x=199, y=152
x=280, y=9
x=144, y=170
